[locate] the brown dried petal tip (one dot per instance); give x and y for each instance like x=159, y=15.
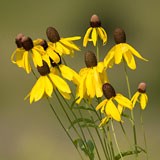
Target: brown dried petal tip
x=52, y=34
x=108, y=91
x=142, y=87
x=18, y=40
x=43, y=70
x=90, y=59
x=119, y=36
x=44, y=44
x=27, y=43
x=95, y=22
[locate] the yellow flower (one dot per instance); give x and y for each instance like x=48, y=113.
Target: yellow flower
x=26, y=49
x=113, y=105
x=122, y=51
x=91, y=78
x=46, y=83
x=94, y=31
x=61, y=45
x=140, y=96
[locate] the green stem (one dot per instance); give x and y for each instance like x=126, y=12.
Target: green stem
x=115, y=138
x=132, y=114
x=97, y=51
x=59, y=120
x=144, y=135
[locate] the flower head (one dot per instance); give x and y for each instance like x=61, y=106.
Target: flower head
x=113, y=105
x=94, y=31
x=91, y=78
x=46, y=83
x=61, y=45
x=121, y=51
x=26, y=49
x=140, y=96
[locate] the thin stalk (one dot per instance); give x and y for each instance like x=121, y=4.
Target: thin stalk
x=59, y=120
x=97, y=52
x=144, y=135
x=116, y=142
x=132, y=114
x=106, y=146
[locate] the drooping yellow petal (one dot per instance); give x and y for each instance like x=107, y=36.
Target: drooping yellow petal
x=65, y=95
x=129, y=58
x=73, y=38
x=37, y=58
x=100, y=67
x=17, y=56
x=60, y=83
x=90, y=87
x=112, y=110
x=135, y=52
x=26, y=65
x=94, y=36
x=97, y=83
x=86, y=37
x=61, y=49
x=37, y=90
x=104, y=121
x=102, y=34
x=135, y=98
x=48, y=87
x=109, y=59
x=69, y=74
x=119, y=50
x=69, y=44
x=123, y=101
x=143, y=100
x=53, y=55
x=101, y=104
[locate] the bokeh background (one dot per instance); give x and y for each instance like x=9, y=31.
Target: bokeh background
x=31, y=132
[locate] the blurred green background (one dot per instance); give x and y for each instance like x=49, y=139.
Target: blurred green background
x=31, y=132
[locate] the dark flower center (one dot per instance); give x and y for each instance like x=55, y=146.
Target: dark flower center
x=119, y=36
x=108, y=91
x=43, y=70
x=94, y=21
x=27, y=43
x=44, y=44
x=18, y=40
x=142, y=87
x=52, y=34
x=90, y=59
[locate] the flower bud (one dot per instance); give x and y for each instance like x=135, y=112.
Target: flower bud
x=108, y=91
x=119, y=36
x=27, y=43
x=142, y=87
x=94, y=21
x=18, y=40
x=90, y=59
x=43, y=70
x=44, y=44
x=52, y=34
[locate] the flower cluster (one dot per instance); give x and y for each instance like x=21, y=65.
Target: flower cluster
x=91, y=83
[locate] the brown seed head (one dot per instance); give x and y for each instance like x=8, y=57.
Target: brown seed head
x=119, y=36
x=95, y=21
x=27, y=43
x=90, y=59
x=142, y=87
x=108, y=91
x=44, y=44
x=52, y=34
x=43, y=70
x=18, y=40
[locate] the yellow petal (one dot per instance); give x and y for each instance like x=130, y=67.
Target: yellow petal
x=64, y=94
x=86, y=37
x=61, y=49
x=123, y=101
x=73, y=38
x=27, y=66
x=48, y=86
x=104, y=121
x=143, y=100
x=129, y=60
x=112, y=111
x=120, y=49
x=135, y=52
x=102, y=34
x=60, y=83
x=100, y=105
x=109, y=59
x=37, y=58
x=37, y=90
x=53, y=55
x=90, y=84
x=94, y=36
x=135, y=98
